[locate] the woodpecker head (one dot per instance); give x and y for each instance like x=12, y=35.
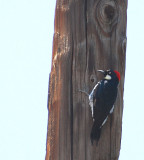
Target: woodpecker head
x=110, y=74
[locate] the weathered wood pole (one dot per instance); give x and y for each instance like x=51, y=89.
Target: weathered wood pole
x=89, y=35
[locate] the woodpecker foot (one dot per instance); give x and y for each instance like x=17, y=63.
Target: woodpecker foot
x=84, y=92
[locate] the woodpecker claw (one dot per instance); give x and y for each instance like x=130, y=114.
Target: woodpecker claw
x=84, y=92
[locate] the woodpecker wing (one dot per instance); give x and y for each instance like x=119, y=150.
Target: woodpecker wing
x=103, y=101
x=98, y=114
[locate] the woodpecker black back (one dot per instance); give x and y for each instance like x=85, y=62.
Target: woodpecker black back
x=101, y=100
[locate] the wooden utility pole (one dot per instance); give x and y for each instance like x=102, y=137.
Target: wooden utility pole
x=89, y=35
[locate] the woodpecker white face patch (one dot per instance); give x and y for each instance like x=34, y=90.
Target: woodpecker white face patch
x=107, y=77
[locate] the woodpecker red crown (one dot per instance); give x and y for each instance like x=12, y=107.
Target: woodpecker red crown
x=117, y=74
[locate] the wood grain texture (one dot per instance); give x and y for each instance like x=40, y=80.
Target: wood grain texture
x=89, y=35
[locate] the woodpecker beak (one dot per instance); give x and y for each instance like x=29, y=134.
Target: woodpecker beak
x=101, y=71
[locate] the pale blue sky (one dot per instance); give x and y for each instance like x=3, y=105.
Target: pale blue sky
x=26, y=32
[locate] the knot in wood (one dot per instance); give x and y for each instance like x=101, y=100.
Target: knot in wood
x=109, y=11
x=93, y=78
x=106, y=13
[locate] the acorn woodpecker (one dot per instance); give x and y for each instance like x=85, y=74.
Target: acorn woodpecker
x=101, y=101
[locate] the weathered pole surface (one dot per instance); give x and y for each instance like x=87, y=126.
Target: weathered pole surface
x=89, y=35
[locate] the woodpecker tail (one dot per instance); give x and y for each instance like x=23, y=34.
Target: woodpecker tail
x=95, y=133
